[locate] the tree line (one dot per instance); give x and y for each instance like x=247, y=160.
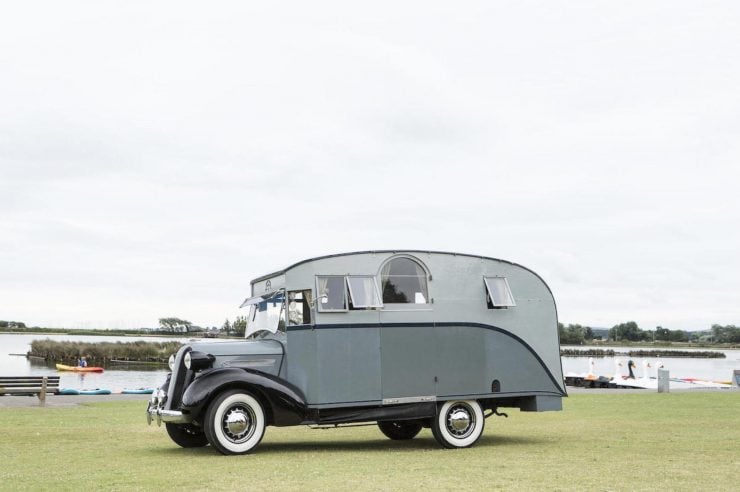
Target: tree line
x=170, y=325
x=237, y=328
x=12, y=324
x=575, y=334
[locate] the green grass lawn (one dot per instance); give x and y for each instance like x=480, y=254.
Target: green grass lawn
x=677, y=441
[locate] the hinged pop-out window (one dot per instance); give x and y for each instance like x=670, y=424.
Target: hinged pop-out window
x=499, y=293
x=363, y=291
x=265, y=313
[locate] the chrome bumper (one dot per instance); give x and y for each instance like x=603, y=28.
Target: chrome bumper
x=156, y=412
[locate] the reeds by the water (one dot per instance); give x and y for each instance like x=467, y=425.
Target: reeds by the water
x=99, y=353
x=594, y=352
x=565, y=352
x=695, y=354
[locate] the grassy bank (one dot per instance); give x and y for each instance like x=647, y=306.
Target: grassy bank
x=677, y=441
x=100, y=353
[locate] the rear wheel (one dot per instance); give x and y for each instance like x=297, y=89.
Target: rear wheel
x=234, y=422
x=400, y=430
x=458, y=424
x=187, y=436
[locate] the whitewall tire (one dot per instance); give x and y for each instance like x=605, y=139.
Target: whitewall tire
x=234, y=422
x=458, y=423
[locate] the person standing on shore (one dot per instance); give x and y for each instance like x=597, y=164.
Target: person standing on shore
x=630, y=365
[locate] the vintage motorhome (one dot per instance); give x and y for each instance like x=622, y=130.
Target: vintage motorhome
x=407, y=339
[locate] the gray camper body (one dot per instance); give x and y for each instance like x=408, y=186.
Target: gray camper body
x=408, y=339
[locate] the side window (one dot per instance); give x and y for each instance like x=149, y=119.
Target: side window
x=363, y=292
x=332, y=293
x=498, y=293
x=299, y=310
x=404, y=281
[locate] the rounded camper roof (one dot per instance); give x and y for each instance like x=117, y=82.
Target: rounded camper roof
x=396, y=251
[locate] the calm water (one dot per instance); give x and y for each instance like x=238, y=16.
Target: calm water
x=679, y=367
x=122, y=377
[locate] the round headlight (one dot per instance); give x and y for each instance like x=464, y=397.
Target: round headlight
x=171, y=362
x=197, y=361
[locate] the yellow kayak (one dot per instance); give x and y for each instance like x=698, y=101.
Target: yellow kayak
x=62, y=367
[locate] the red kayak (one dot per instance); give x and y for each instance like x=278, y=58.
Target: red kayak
x=62, y=367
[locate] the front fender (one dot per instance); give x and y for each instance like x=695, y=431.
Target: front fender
x=287, y=403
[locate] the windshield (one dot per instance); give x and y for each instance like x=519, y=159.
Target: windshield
x=266, y=314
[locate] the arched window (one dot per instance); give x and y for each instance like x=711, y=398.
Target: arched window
x=404, y=281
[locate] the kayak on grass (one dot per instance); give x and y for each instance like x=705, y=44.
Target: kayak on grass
x=96, y=391
x=138, y=391
x=62, y=367
x=74, y=391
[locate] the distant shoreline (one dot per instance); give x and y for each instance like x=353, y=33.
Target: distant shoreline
x=32, y=332
x=102, y=333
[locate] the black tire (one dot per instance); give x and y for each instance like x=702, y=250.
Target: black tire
x=400, y=430
x=186, y=436
x=458, y=424
x=234, y=422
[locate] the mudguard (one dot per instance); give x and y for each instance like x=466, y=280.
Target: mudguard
x=287, y=403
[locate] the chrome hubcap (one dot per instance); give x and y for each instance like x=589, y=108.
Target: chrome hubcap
x=460, y=421
x=238, y=423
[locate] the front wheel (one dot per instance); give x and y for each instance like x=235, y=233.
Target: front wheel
x=400, y=430
x=186, y=436
x=234, y=422
x=458, y=424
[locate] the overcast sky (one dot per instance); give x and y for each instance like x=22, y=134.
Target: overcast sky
x=157, y=156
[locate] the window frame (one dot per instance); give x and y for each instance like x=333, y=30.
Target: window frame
x=427, y=277
x=490, y=297
x=319, y=304
x=376, y=289
x=305, y=303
